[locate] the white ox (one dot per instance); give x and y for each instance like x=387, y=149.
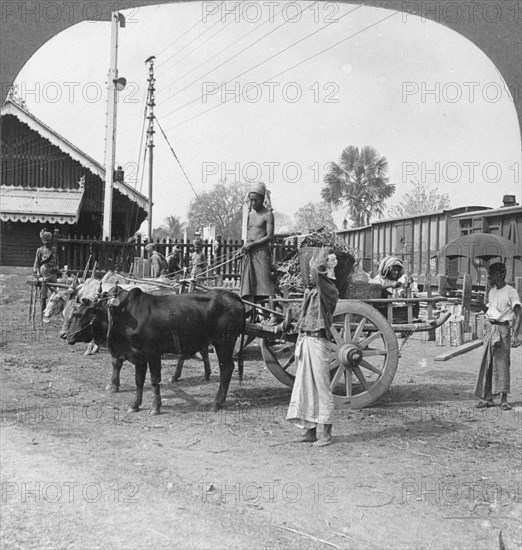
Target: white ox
x=61, y=301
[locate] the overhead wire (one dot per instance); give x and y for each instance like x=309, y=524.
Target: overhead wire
x=185, y=46
x=176, y=157
x=199, y=46
x=178, y=38
x=139, y=154
x=288, y=69
x=220, y=52
x=239, y=53
x=230, y=58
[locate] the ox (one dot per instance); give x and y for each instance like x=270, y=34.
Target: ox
x=141, y=327
x=62, y=300
x=89, y=289
x=86, y=295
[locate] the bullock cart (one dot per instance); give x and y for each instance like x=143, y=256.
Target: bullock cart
x=364, y=348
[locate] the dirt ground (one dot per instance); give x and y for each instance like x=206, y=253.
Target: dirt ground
x=421, y=469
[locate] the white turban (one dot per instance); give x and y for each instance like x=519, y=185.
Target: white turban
x=260, y=188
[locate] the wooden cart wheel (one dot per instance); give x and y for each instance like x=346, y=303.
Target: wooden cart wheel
x=364, y=356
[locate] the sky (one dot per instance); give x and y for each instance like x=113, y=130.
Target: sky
x=424, y=96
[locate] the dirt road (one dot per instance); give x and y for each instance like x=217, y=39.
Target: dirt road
x=422, y=469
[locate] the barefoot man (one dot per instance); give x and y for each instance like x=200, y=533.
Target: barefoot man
x=256, y=282
x=312, y=402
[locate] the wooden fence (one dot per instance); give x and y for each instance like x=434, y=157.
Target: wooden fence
x=119, y=256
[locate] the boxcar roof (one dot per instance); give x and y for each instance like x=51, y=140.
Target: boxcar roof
x=451, y=212
x=493, y=212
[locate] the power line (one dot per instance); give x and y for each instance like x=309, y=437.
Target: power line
x=289, y=69
x=139, y=154
x=199, y=45
x=223, y=50
x=265, y=60
x=188, y=44
x=176, y=157
x=179, y=38
x=220, y=52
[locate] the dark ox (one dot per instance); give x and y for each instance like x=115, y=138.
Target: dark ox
x=140, y=327
x=86, y=295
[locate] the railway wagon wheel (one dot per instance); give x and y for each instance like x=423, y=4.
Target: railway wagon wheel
x=364, y=356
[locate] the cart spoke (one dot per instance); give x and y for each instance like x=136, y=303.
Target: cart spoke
x=367, y=341
x=359, y=329
x=369, y=366
x=285, y=347
x=337, y=337
x=336, y=377
x=334, y=362
x=289, y=362
x=357, y=371
x=373, y=352
x=347, y=328
x=348, y=381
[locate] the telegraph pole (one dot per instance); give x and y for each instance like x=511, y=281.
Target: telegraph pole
x=150, y=133
x=113, y=85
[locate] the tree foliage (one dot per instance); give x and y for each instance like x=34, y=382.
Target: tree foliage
x=313, y=216
x=420, y=200
x=359, y=182
x=222, y=206
x=283, y=223
x=172, y=228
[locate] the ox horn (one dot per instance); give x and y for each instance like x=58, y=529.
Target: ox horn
x=114, y=301
x=99, y=293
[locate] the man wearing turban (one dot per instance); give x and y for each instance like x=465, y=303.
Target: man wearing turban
x=198, y=259
x=46, y=262
x=394, y=282
x=503, y=311
x=256, y=279
x=158, y=263
x=391, y=277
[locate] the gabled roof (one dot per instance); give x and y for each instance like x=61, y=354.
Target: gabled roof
x=10, y=108
x=31, y=204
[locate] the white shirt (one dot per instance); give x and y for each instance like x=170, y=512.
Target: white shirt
x=501, y=303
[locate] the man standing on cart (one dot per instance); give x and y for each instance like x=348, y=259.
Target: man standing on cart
x=256, y=269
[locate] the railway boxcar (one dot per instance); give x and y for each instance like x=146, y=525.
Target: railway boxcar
x=416, y=240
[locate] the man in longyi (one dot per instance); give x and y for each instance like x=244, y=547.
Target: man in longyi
x=503, y=315
x=256, y=280
x=312, y=402
x=46, y=263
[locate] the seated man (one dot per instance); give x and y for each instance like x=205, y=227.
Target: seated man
x=393, y=281
x=256, y=280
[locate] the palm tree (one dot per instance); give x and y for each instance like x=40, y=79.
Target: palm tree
x=360, y=182
x=172, y=228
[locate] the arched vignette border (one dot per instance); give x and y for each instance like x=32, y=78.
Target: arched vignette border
x=500, y=40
